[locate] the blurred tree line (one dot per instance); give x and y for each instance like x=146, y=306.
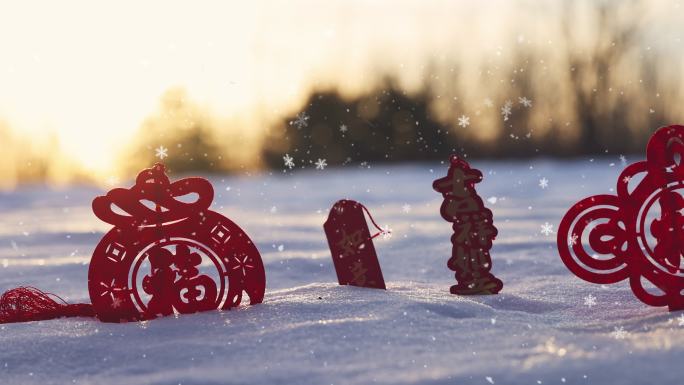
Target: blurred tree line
x=35, y=160
x=600, y=88
x=599, y=95
x=386, y=124
x=192, y=137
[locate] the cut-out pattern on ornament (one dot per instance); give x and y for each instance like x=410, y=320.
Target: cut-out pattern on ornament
x=173, y=257
x=637, y=234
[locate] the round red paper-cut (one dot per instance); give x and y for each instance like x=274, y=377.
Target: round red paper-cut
x=166, y=256
x=637, y=234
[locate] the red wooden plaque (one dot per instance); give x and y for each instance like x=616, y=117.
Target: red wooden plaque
x=351, y=245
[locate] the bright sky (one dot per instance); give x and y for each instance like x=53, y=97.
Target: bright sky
x=92, y=71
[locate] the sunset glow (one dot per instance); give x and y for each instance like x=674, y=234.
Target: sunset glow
x=89, y=73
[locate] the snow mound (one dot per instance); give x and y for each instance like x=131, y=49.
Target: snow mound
x=546, y=327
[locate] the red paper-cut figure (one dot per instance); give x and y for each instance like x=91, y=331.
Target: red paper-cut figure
x=473, y=227
x=351, y=245
x=153, y=225
x=626, y=235
x=173, y=237
x=160, y=283
x=669, y=231
x=190, y=297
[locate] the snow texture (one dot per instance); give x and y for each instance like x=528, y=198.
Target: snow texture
x=309, y=330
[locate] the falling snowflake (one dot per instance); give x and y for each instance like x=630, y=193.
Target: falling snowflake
x=488, y=102
x=463, y=121
x=301, y=121
x=619, y=333
x=525, y=101
x=572, y=240
x=116, y=302
x=589, y=301
x=506, y=110
x=343, y=128
x=543, y=183
x=161, y=152
x=623, y=160
x=680, y=320
x=289, y=161
x=386, y=232
x=321, y=164
x=406, y=208
x=547, y=229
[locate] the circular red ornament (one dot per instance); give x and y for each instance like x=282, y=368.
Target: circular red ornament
x=638, y=233
x=166, y=255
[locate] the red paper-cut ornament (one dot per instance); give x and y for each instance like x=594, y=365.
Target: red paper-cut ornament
x=148, y=264
x=163, y=256
x=473, y=227
x=351, y=245
x=628, y=237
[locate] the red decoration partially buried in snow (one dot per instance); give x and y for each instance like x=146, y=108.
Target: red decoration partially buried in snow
x=351, y=245
x=637, y=234
x=473, y=227
x=169, y=255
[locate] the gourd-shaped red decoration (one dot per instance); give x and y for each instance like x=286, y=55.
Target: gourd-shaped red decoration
x=626, y=235
x=166, y=255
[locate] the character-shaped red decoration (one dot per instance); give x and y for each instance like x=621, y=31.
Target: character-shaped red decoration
x=473, y=227
x=165, y=255
x=351, y=245
x=637, y=234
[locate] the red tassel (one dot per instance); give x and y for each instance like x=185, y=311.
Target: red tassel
x=30, y=304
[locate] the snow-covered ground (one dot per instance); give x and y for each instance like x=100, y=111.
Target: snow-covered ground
x=542, y=329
